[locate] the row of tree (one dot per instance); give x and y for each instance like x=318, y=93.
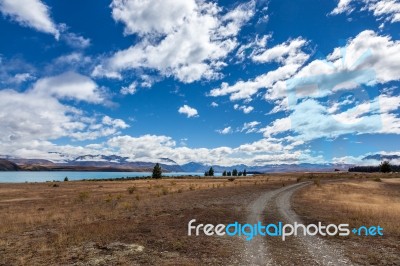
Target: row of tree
x=384, y=167
x=234, y=172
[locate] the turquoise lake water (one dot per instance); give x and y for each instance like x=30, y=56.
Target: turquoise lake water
x=27, y=176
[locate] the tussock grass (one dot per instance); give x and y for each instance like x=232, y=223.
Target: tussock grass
x=359, y=203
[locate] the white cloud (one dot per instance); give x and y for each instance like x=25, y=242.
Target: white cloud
x=30, y=13
x=311, y=120
x=288, y=54
x=72, y=60
x=214, y=104
x=250, y=127
x=40, y=118
x=131, y=89
x=244, y=108
x=225, y=131
x=152, y=147
x=255, y=46
x=144, y=17
x=22, y=77
x=366, y=59
x=76, y=41
x=342, y=7
x=187, y=110
x=185, y=39
x=388, y=10
x=69, y=85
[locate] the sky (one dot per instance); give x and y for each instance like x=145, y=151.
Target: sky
x=214, y=82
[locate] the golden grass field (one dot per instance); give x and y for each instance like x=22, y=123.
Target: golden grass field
x=365, y=199
x=144, y=222
x=82, y=222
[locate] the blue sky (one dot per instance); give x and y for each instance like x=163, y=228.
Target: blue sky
x=254, y=82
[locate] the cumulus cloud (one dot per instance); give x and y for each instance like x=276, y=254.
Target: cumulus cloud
x=311, y=119
x=366, y=59
x=30, y=13
x=38, y=114
x=131, y=89
x=343, y=7
x=290, y=57
x=214, y=104
x=388, y=10
x=187, y=110
x=244, y=108
x=225, y=131
x=69, y=85
x=188, y=40
x=151, y=147
x=286, y=53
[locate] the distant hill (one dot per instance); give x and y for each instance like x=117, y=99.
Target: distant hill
x=99, y=162
x=273, y=168
x=6, y=165
x=382, y=157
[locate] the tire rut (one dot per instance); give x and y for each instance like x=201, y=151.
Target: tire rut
x=300, y=250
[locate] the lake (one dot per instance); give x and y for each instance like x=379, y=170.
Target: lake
x=39, y=176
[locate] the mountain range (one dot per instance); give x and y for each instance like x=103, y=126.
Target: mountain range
x=117, y=163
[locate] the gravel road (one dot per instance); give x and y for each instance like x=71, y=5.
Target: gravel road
x=311, y=250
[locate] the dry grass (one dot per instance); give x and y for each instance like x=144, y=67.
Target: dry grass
x=40, y=223
x=360, y=202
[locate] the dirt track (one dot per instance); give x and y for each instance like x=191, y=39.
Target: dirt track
x=309, y=250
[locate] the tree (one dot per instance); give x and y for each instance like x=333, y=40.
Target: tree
x=211, y=172
x=206, y=173
x=224, y=173
x=240, y=173
x=244, y=172
x=229, y=173
x=385, y=167
x=234, y=172
x=157, y=172
x=66, y=179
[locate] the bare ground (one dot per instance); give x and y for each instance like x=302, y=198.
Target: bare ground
x=101, y=223
x=144, y=222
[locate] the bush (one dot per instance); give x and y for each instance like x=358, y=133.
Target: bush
x=377, y=179
x=299, y=179
x=131, y=189
x=164, y=191
x=317, y=182
x=66, y=179
x=83, y=196
x=231, y=179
